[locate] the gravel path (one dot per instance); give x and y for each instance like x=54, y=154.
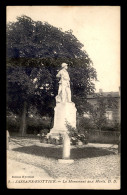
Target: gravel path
x=27, y=157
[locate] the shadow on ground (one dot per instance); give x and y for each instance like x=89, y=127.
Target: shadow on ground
x=56, y=153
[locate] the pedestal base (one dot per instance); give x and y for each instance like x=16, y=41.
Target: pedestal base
x=64, y=113
x=69, y=161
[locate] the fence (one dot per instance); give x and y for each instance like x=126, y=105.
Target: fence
x=96, y=136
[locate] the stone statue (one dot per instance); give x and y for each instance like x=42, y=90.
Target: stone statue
x=64, y=92
x=65, y=110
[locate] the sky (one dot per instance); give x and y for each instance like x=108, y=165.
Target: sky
x=96, y=27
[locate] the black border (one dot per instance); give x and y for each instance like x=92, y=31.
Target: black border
x=3, y=4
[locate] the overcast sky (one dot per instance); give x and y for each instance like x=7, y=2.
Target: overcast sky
x=97, y=27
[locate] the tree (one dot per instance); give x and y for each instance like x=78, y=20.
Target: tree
x=98, y=111
x=35, y=51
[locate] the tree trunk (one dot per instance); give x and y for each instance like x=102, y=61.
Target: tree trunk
x=23, y=120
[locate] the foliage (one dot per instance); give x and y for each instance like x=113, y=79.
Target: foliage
x=76, y=136
x=107, y=136
x=13, y=122
x=84, y=124
x=112, y=126
x=35, y=51
x=97, y=112
x=35, y=123
x=57, y=140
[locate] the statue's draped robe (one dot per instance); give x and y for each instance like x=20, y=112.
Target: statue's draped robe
x=64, y=92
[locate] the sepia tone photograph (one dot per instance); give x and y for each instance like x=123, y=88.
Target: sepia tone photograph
x=63, y=97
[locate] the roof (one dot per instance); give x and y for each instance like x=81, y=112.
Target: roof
x=104, y=94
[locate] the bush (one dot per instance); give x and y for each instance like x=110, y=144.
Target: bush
x=58, y=140
x=84, y=124
x=13, y=123
x=114, y=126
x=36, y=125
x=75, y=135
x=109, y=137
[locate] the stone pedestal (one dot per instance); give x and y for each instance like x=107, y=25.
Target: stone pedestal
x=66, y=161
x=63, y=112
x=66, y=147
x=66, y=150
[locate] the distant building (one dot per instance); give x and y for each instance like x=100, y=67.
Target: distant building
x=112, y=114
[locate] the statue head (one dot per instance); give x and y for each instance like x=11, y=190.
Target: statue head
x=64, y=65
